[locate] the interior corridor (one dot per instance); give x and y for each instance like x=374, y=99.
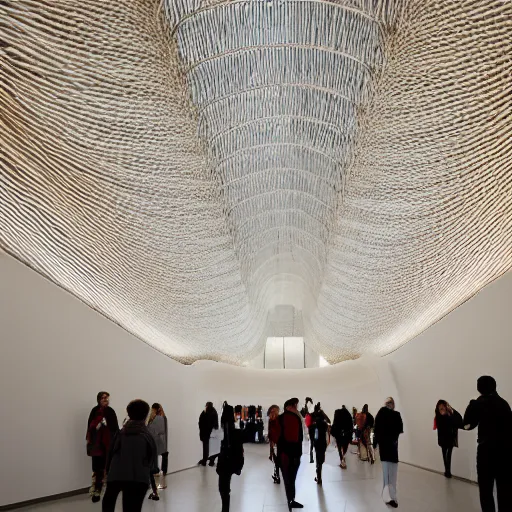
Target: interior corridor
x=355, y=490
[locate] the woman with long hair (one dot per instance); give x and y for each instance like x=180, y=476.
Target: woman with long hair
x=231, y=457
x=321, y=439
x=273, y=437
x=365, y=422
x=447, y=422
x=157, y=426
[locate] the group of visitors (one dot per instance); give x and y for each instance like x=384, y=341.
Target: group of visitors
x=127, y=458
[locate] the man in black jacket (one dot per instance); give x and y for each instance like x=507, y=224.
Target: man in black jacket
x=208, y=421
x=493, y=417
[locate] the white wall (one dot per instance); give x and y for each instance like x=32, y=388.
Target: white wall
x=444, y=363
x=57, y=354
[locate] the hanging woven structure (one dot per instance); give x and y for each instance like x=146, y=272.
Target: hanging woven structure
x=208, y=174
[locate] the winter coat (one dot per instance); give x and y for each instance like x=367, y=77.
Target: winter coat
x=342, y=426
x=388, y=427
x=448, y=426
x=208, y=421
x=133, y=454
x=157, y=428
x=291, y=435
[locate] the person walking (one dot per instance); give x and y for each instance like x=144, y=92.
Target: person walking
x=493, y=417
x=388, y=427
x=321, y=438
x=289, y=448
x=208, y=421
x=102, y=426
x=273, y=438
x=130, y=461
x=365, y=423
x=341, y=430
x=447, y=422
x=157, y=427
x=231, y=457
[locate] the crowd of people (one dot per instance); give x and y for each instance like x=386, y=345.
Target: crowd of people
x=135, y=457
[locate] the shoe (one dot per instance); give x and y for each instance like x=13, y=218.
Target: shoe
x=294, y=504
x=154, y=497
x=201, y=463
x=96, y=496
x=393, y=504
x=276, y=479
x=162, y=484
x=448, y=475
x=318, y=481
x=311, y=460
x=211, y=463
x=343, y=465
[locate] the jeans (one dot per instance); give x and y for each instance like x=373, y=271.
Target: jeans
x=493, y=466
x=225, y=490
x=447, y=458
x=390, y=474
x=289, y=467
x=206, y=450
x=133, y=496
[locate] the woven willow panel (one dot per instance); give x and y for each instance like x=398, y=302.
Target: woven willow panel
x=210, y=173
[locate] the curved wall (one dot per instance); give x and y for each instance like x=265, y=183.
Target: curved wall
x=57, y=353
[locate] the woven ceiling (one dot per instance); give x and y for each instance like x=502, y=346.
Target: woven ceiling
x=207, y=173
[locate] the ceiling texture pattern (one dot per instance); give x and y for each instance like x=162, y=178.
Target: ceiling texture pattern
x=208, y=174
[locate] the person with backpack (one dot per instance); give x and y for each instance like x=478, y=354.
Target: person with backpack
x=321, y=434
x=289, y=448
x=342, y=430
x=231, y=457
x=131, y=458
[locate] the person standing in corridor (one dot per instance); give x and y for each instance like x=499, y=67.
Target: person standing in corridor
x=447, y=422
x=231, y=457
x=102, y=426
x=208, y=422
x=493, y=417
x=289, y=448
x=388, y=427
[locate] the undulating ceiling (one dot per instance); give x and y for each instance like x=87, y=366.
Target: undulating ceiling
x=211, y=173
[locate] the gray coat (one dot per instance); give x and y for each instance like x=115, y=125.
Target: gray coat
x=133, y=454
x=158, y=429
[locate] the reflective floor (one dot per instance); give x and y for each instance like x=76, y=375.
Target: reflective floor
x=356, y=489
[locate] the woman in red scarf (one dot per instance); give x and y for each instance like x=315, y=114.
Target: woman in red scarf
x=101, y=428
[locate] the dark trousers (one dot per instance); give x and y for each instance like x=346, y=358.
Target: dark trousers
x=311, y=431
x=447, y=458
x=98, y=468
x=206, y=450
x=320, y=459
x=494, y=466
x=165, y=462
x=289, y=467
x=225, y=490
x=133, y=496
x=342, y=444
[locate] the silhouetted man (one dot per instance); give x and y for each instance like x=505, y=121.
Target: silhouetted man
x=493, y=417
x=289, y=448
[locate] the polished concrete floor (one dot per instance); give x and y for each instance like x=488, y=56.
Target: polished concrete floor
x=357, y=489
